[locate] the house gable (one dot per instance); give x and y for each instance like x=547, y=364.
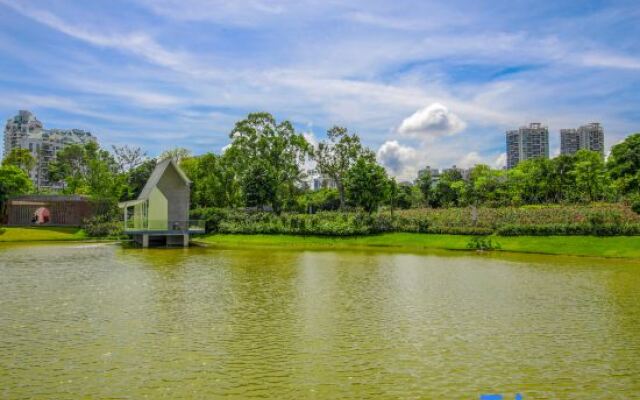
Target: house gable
x=158, y=173
x=176, y=190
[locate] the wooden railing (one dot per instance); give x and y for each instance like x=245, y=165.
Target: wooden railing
x=182, y=226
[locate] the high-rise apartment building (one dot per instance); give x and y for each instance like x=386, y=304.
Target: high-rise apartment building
x=589, y=137
x=25, y=131
x=527, y=142
x=323, y=182
x=434, y=173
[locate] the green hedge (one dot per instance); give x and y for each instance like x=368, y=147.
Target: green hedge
x=102, y=226
x=570, y=229
x=635, y=206
x=601, y=220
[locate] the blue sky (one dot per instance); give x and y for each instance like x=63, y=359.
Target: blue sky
x=421, y=82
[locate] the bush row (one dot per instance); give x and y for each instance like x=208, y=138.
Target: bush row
x=102, y=226
x=352, y=224
x=632, y=229
x=323, y=223
x=529, y=215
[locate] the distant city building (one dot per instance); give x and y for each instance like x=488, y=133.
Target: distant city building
x=526, y=143
x=323, y=182
x=569, y=142
x=589, y=137
x=25, y=131
x=435, y=173
x=465, y=173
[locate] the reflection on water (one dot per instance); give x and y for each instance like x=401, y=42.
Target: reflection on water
x=102, y=321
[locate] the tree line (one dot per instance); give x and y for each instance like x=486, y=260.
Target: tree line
x=262, y=169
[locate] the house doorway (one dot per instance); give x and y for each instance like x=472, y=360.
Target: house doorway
x=41, y=216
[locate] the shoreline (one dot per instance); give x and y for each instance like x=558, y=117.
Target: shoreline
x=16, y=234
x=614, y=247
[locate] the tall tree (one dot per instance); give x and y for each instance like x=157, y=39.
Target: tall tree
x=366, y=184
x=534, y=185
x=137, y=177
x=424, y=183
x=404, y=198
x=486, y=186
x=392, y=192
x=562, y=180
x=260, y=186
x=13, y=181
x=590, y=173
x=624, y=165
x=128, y=157
x=265, y=152
x=20, y=158
x=177, y=154
x=448, y=190
x=335, y=156
x=87, y=169
x=213, y=180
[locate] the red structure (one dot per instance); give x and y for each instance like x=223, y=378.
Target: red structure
x=51, y=210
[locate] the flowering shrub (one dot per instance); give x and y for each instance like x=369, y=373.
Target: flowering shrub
x=598, y=219
x=102, y=226
x=635, y=206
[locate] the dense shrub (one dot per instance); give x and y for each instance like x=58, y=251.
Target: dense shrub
x=212, y=217
x=102, y=226
x=599, y=219
x=483, y=243
x=529, y=215
x=460, y=230
x=319, y=200
x=635, y=206
x=325, y=223
x=570, y=229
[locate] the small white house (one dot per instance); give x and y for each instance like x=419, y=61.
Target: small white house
x=161, y=212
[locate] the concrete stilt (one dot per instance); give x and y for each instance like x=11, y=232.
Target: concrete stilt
x=185, y=239
x=145, y=241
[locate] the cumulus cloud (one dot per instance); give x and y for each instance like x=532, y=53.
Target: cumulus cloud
x=311, y=138
x=309, y=164
x=433, y=120
x=401, y=161
x=500, y=161
x=474, y=158
x=470, y=159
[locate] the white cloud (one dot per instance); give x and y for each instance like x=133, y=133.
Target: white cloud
x=136, y=43
x=311, y=138
x=470, y=159
x=400, y=161
x=383, y=65
x=431, y=121
x=309, y=164
x=500, y=161
x=608, y=60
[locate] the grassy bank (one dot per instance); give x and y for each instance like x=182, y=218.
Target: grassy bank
x=619, y=246
x=38, y=234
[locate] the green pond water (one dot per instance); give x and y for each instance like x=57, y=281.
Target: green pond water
x=102, y=321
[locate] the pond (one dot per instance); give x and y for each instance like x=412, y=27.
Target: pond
x=102, y=321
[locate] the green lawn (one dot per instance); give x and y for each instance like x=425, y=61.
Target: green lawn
x=618, y=246
x=37, y=234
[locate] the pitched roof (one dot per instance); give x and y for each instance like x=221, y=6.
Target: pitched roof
x=50, y=198
x=157, y=174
